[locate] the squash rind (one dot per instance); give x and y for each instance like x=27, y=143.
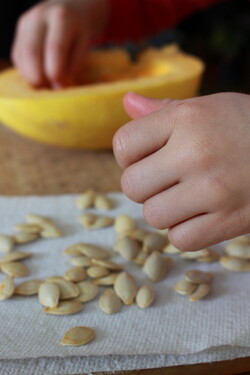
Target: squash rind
x=88, y=116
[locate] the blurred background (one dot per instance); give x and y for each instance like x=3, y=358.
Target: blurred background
x=220, y=35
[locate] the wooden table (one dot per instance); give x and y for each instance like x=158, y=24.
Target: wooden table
x=30, y=168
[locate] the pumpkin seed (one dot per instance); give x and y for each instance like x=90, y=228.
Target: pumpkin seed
x=50, y=231
x=185, y=287
x=51, y=279
x=153, y=242
x=15, y=269
x=141, y=257
x=87, y=220
x=241, y=240
x=72, y=250
x=198, y=277
x=88, y=291
x=145, y=296
x=156, y=266
x=15, y=255
x=97, y=271
x=64, y=308
x=7, y=288
x=102, y=202
x=22, y=237
x=163, y=232
x=68, y=289
x=91, y=221
x=48, y=294
x=137, y=234
x=124, y=223
x=6, y=243
x=201, y=291
x=109, y=302
x=48, y=228
x=235, y=264
x=93, y=251
x=78, y=336
x=81, y=261
x=106, y=280
x=28, y=228
x=170, y=249
x=85, y=200
x=102, y=222
x=212, y=256
x=127, y=247
x=75, y=274
x=28, y=288
x=238, y=250
x=125, y=287
x=107, y=264
x=194, y=254
x=42, y=221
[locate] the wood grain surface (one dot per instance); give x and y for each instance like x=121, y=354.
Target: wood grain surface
x=28, y=168
x=237, y=366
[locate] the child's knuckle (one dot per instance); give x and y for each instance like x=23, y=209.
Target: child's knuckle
x=220, y=190
x=24, y=26
x=61, y=12
x=22, y=21
x=31, y=16
x=187, y=110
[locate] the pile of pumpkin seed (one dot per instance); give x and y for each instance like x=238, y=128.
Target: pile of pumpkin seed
x=237, y=256
x=35, y=227
x=196, y=284
x=93, y=268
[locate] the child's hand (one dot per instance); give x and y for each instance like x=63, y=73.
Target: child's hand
x=52, y=38
x=188, y=161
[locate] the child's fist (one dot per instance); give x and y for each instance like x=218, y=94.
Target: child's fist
x=188, y=162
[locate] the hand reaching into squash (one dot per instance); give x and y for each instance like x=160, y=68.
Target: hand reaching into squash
x=188, y=162
x=52, y=39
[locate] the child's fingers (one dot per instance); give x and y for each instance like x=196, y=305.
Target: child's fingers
x=151, y=175
x=136, y=105
x=59, y=41
x=174, y=205
x=203, y=231
x=140, y=138
x=27, y=51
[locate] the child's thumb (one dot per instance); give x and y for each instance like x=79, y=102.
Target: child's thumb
x=136, y=105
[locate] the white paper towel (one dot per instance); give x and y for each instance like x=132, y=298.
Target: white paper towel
x=171, y=328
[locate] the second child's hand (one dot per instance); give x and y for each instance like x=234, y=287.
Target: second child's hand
x=52, y=40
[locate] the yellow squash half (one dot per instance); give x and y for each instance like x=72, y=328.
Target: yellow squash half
x=88, y=116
